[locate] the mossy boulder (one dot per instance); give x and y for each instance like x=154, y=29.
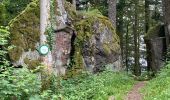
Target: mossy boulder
x=25, y=35
x=97, y=42
x=156, y=47
x=155, y=31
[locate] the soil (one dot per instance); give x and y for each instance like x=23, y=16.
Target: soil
x=135, y=94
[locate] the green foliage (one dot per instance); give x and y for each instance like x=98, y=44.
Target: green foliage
x=18, y=83
x=145, y=76
x=2, y=14
x=15, y=83
x=72, y=14
x=101, y=5
x=23, y=84
x=96, y=87
x=159, y=87
x=11, y=9
x=50, y=36
x=50, y=29
x=4, y=36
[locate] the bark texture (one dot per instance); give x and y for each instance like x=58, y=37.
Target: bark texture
x=166, y=8
x=74, y=3
x=44, y=23
x=62, y=41
x=112, y=11
x=137, y=68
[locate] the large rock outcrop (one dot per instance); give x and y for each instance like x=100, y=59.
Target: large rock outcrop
x=156, y=47
x=83, y=40
x=98, y=42
x=25, y=36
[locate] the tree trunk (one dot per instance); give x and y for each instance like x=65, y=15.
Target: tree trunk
x=137, y=69
x=62, y=42
x=112, y=11
x=166, y=9
x=74, y=3
x=44, y=22
x=56, y=60
x=120, y=25
x=147, y=17
x=127, y=47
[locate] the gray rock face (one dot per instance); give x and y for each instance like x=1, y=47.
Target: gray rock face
x=101, y=49
x=158, y=50
x=156, y=47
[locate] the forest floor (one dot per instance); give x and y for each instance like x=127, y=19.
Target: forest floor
x=135, y=94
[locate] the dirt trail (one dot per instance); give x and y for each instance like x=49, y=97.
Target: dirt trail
x=135, y=94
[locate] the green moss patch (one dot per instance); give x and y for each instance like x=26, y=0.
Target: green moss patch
x=85, y=31
x=25, y=30
x=85, y=28
x=72, y=14
x=153, y=31
x=32, y=64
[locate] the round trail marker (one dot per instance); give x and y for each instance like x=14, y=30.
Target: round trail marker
x=44, y=49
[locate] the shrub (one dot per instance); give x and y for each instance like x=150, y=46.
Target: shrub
x=15, y=83
x=18, y=83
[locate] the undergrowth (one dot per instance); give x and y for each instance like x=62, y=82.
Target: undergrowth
x=159, y=87
x=96, y=87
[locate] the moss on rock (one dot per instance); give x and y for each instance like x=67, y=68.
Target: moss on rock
x=77, y=65
x=72, y=14
x=25, y=34
x=86, y=29
x=25, y=31
x=153, y=31
x=32, y=64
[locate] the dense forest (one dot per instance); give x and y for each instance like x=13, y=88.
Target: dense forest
x=84, y=49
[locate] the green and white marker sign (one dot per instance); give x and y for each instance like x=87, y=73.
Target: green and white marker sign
x=44, y=49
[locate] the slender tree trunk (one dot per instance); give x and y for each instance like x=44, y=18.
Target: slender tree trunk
x=137, y=69
x=112, y=11
x=127, y=47
x=147, y=15
x=166, y=9
x=120, y=25
x=147, y=20
x=44, y=22
x=47, y=59
x=112, y=16
x=146, y=30
x=74, y=3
